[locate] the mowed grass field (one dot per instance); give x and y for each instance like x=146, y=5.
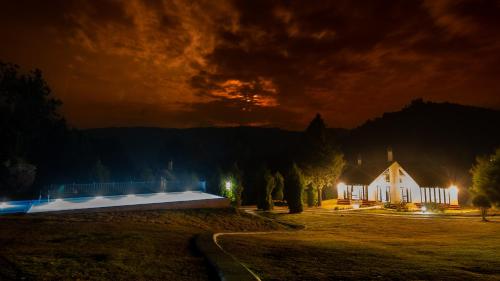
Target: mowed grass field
x=134, y=245
x=361, y=246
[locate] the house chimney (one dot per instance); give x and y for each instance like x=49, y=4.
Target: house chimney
x=390, y=156
x=359, y=160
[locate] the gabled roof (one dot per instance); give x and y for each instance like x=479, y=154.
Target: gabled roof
x=424, y=173
x=427, y=174
x=362, y=174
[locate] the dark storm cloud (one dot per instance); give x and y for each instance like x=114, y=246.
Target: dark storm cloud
x=275, y=63
x=353, y=60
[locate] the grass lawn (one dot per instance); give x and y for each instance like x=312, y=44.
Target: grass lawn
x=354, y=246
x=139, y=245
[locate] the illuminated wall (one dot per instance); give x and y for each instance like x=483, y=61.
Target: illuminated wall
x=396, y=185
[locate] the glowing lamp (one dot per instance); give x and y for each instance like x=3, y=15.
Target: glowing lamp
x=424, y=209
x=341, y=186
x=3, y=205
x=355, y=206
x=228, y=185
x=453, y=195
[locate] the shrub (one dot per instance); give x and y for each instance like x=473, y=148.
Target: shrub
x=20, y=175
x=483, y=203
x=402, y=206
x=435, y=207
x=310, y=197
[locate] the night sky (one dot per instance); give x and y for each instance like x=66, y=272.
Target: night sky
x=261, y=63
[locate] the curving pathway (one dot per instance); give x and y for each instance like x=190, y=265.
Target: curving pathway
x=229, y=268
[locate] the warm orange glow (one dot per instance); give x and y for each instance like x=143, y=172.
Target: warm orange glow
x=185, y=63
x=260, y=92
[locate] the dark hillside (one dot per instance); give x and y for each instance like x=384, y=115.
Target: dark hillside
x=443, y=134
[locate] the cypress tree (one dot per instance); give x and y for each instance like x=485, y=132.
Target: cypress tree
x=278, y=187
x=294, y=185
x=266, y=186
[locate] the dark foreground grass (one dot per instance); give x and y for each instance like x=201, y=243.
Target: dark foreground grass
x=368, y=247
x=139, y=245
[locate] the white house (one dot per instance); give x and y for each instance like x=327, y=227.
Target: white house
x=371, y=183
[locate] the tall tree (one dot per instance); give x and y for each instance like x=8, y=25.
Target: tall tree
x=321, y=161
x=316, y=130
x=237, y=175
x=279, y=186
x=486, y=177
x=31, y=129
x=294, y=185
x=266, y=185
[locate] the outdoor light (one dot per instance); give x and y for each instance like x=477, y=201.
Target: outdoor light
x=424, y=209
x=340, y=184
x=3, y=205
x=355, y=206
x=228, y=185
x=453, y=195
x=58, y=200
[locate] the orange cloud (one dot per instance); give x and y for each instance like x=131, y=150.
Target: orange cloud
x=260, y=92
x=187, y=63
